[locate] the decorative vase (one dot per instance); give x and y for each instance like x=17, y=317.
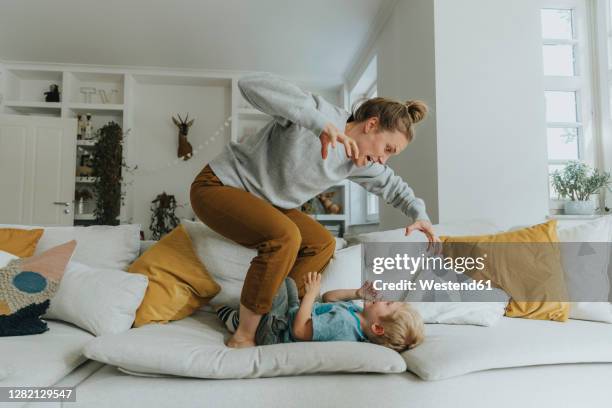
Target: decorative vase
x=579, y=207
x=80, y=206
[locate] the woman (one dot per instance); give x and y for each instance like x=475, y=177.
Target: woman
x=251, y=192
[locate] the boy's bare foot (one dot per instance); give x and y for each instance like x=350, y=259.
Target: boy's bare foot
x=240, y=342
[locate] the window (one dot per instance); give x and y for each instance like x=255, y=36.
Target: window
x=568, y=95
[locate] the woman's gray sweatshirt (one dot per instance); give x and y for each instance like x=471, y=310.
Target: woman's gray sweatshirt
x=282, y=163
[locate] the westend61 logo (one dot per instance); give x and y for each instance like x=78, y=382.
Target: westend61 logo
x=412, y=264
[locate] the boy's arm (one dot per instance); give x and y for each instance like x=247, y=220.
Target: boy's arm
x=339, y=295
x=302, y=323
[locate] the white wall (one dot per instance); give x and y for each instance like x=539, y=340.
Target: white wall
x=406, y=66
x=154, y=142
x=491, y=111
x=478, y=64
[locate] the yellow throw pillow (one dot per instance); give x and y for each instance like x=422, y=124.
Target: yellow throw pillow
x=20, y=242
x=178, y=282
x=531, y=274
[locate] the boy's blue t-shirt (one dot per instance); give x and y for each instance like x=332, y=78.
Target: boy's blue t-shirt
x=334, y=321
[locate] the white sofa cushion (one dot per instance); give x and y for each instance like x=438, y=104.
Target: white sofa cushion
x=43, y=359
x=102, y=246
x=97, y=300
x=468, y=227
x=194, y=347
x=451, y=350
x=586, y=268
x=227, y=261
x=343, y=270
x=474, y=313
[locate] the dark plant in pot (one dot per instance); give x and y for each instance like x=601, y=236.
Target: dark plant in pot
x=107, y=164
x=577, y=182
x=163, y=217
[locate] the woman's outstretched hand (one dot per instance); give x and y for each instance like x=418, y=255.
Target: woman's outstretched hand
x=332, y=135
x=426, y=228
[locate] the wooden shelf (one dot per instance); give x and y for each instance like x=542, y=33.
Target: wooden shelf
x=329, y=217
x=95, y=107
x=86, y=180
x=35, y=108
x=27, y=104
x=84, y=217
x=86, y=143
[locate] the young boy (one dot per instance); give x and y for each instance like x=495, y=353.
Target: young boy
x=391, y=324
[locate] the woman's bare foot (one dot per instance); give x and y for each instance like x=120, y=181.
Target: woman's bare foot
x=237, y=341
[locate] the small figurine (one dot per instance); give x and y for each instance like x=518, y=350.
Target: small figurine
x=85, y=169
x=330, y=206
x=88, y=130
x=80, y=126
x=53, y=95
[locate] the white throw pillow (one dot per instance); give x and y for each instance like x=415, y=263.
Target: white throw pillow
x=5, y=258
x=472, y=313
x=477, y=307
x=227, y=261
x=224, y=259
x=468, y=227
x=101, y=246
x=586, y=268
x=99, y=301
x=194, y=347
x=343, y=270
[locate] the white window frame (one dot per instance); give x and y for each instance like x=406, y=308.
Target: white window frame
x=581, y=83
x=373, y=201
x=601, y=14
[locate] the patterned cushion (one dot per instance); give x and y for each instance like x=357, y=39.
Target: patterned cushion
x=27, y=285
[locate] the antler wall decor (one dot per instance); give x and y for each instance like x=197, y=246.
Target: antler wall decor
x=185, y=150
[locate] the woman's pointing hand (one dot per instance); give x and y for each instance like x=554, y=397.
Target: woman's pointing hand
x=332, y=135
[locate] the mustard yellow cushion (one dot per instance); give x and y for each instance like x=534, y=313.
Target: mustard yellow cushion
x=19, y=242
x=532, y=275
x=178, y=282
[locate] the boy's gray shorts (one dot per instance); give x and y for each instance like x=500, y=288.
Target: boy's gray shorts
x=273, y=325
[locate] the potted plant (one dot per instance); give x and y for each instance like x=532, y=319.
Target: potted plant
x=107, y=164
x=163, y=215
x=578, y=181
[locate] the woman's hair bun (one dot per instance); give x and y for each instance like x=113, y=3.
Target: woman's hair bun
x=417, y=110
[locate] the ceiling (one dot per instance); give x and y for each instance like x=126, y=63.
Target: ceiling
x=310, y=39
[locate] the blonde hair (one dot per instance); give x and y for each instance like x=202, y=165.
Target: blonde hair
x=392, y=115
x=403, y=329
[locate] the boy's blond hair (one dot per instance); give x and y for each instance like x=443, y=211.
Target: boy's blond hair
x=403, y=329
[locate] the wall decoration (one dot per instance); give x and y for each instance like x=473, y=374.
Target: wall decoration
x=313, y=206
x=185, y=150
x=85, y=127
x=53, y=95
x=137, y=169
x=85, y=169
x=87, y=92
x=330, y=206
x=163, y=217
x=105, y=97
x=81, y=196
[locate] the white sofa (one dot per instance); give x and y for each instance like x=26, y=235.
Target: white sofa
x=55, y=358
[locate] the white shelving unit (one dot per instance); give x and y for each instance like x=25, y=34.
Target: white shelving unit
x=23, y=94
x=22, y=88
